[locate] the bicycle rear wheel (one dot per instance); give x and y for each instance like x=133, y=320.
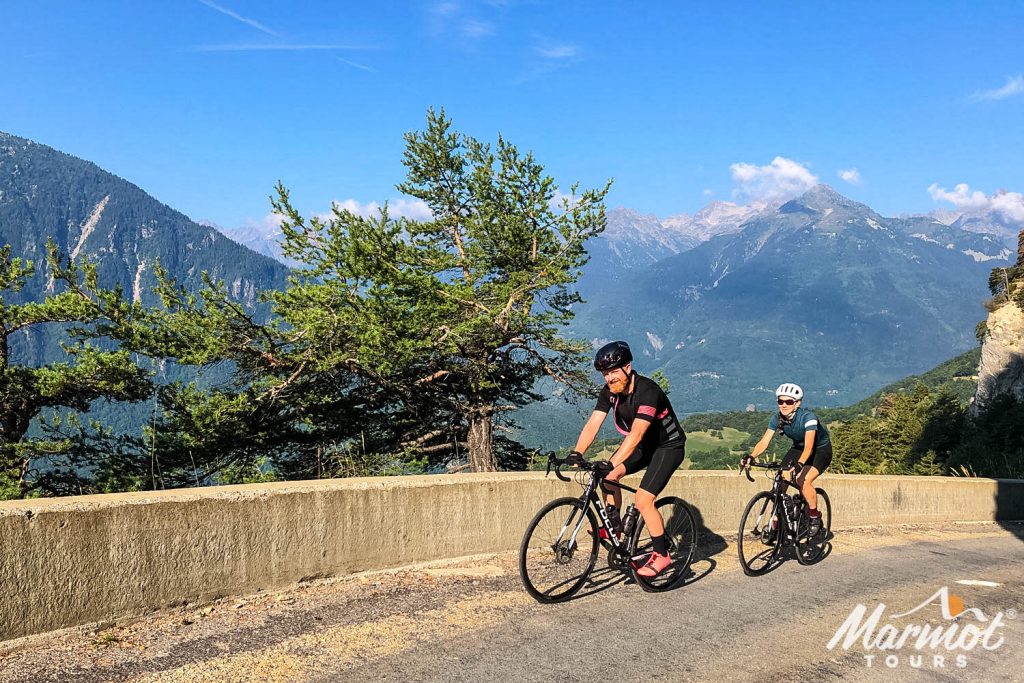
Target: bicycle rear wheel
x=810, y=549
x=680, y=540
x=559, y=550
x=757, y=542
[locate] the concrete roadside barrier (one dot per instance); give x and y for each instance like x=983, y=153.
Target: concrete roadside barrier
x=78, y=560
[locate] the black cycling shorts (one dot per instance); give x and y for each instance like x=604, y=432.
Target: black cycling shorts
x=660, y=464
x=821, y=457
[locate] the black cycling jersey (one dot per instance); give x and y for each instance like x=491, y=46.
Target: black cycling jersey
x=646, y=402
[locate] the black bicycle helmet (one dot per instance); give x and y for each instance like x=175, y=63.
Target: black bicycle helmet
x=613, y=355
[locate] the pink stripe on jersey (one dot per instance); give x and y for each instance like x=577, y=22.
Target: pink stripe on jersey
x=646, y=410
x=662, y=414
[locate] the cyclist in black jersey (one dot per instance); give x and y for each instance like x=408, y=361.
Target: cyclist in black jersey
x=653, y=439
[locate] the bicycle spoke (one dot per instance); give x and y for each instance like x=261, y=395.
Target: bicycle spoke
x=559, y=550
x=680, y=541
x=757, y=542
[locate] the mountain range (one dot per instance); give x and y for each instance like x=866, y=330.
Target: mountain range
x=727, y=302
x=821, y=290
x=93, y=214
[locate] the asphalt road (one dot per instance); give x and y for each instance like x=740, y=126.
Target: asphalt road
x=472, y=621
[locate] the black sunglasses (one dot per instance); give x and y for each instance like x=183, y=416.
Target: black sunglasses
x=786, y=401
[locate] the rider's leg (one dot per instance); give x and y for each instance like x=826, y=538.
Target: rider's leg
x=658, y=560
x=652, y=518
x=614, y=493
x=821, y=459
x=806, y=482
x=791, y=456
x=664, y=462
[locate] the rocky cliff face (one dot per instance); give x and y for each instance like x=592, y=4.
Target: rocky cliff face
x=1001, y=371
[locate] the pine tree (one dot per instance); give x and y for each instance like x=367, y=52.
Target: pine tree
x=396, y=342
x=90, y=372
x=466, y=308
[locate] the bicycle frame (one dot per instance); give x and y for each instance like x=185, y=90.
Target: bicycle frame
x=590, y=496
x=778, y=491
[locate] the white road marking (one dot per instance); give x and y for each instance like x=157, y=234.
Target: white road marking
x=975, y=582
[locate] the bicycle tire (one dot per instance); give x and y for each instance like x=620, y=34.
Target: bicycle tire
x=810, y=550
x=552, y=565
x=759, y=546
x=680, y=539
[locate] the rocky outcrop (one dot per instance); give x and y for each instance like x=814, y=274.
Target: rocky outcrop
x=1001, y=372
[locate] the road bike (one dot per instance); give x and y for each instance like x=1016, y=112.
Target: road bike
x=561, y=545
x=774, y=519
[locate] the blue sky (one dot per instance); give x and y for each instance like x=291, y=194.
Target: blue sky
x=205, y=104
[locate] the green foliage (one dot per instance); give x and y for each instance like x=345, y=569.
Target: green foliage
x=55, y=463
x=992, y=444
x=260, y=471
x=1006, y=283
x=719, y=458
x=396, y=345
x=911, y=433
x=957, y=376
x=662, y=380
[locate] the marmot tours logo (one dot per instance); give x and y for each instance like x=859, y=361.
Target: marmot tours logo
x=919, y=643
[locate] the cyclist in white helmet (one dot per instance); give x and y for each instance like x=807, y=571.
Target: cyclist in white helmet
x=811, y=453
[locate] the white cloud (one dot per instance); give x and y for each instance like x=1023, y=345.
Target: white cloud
x=708, y=192
x=270, y=224
x=781, y=179
x=454, y=21
x=1014, y=86
x=356, y=65
x=444, y=9
x=415, y=209
x=1009, y=204
x=474, y=28
x=561, y=201
x=264, y=228
x=556, y=51
x=238, y=17
x=850, y=175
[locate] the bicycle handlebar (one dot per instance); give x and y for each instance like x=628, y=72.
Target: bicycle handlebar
x=554, y=460
x=583, y=465
x=767, y=466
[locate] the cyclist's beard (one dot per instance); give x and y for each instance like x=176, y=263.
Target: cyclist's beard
x=618, y=385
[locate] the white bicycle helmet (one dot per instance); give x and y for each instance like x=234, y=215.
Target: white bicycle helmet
x=791, y=390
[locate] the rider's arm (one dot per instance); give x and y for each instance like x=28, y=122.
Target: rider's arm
x=808, y=446
x=762, y=445
x=631, y=441
x=590, y=431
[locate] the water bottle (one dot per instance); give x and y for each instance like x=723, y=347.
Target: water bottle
x=614, y=521
x=629, y=520
x=789, y=505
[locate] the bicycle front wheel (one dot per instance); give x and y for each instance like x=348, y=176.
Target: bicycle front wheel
x=758, y=541
x=559, y=550
x=680, y=541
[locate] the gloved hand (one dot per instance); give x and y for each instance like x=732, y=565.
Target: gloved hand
x=747, y=461
x=575, y=459
x=603, y=467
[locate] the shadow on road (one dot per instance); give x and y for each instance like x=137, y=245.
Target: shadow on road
x=709, y=544
x=600, y=580
x=1010, y=506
